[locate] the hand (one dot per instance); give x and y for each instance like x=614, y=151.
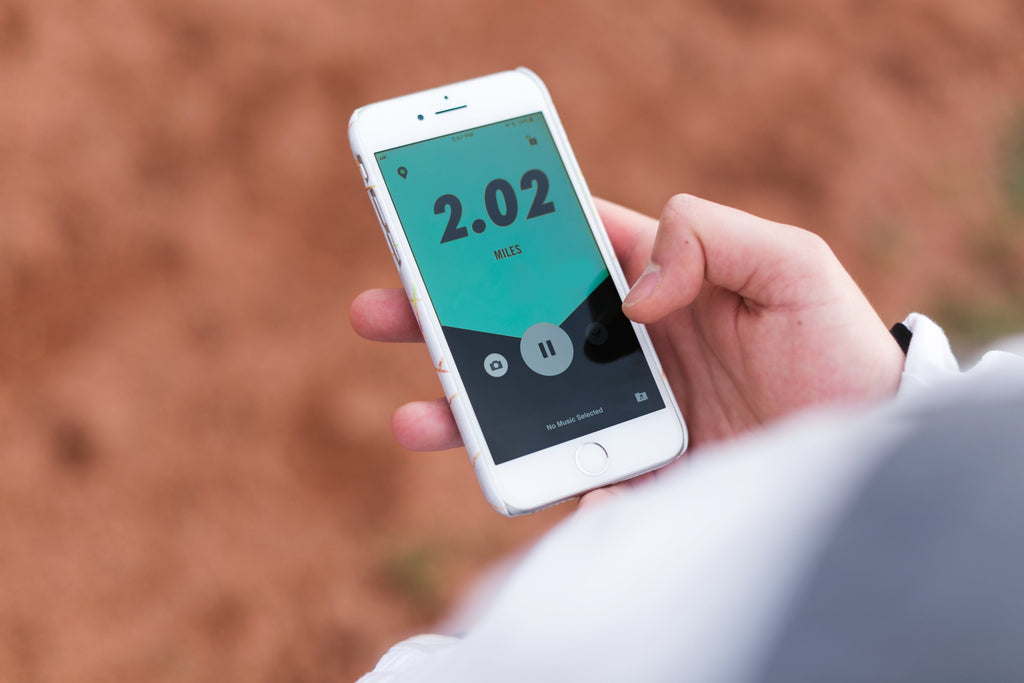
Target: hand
x=752, y=320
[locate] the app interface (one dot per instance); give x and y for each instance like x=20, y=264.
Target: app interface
x=526, y=302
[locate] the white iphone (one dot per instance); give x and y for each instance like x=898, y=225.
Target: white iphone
x=516, y=289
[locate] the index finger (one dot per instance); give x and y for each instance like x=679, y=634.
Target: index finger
x=384, y=315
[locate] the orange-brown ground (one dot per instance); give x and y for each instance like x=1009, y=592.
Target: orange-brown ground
x=197, y=478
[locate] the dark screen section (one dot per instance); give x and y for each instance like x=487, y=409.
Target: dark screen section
x=608, y=381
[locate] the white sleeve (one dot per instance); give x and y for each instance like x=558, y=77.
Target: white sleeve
x=407, y=657
x=929, y=358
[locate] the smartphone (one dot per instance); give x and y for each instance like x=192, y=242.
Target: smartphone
x=517, y=290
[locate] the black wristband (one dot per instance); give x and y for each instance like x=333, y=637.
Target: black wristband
x=902, y=334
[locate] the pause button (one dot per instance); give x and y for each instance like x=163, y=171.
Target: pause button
x=546, y=349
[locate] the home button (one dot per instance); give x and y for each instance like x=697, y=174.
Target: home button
x=592, y=459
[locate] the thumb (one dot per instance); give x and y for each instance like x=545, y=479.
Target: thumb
x=767, y=264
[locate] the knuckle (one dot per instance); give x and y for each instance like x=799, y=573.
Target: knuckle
x=680, y=210
x=682, y=203
x=814, y=245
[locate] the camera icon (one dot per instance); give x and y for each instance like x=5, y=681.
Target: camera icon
x=495, y=365
x=640, y=396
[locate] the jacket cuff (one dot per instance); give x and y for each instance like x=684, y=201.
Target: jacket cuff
x=929, y=357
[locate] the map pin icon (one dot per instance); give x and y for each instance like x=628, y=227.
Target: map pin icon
x=403, y=171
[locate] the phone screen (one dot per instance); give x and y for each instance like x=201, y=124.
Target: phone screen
x=527, y=305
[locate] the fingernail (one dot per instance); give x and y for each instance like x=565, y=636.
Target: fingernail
x=645, y=286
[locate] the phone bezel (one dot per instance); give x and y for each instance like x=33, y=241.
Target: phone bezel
x=548, y=476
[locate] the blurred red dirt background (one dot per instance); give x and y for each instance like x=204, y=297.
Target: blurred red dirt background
x=197, y=477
